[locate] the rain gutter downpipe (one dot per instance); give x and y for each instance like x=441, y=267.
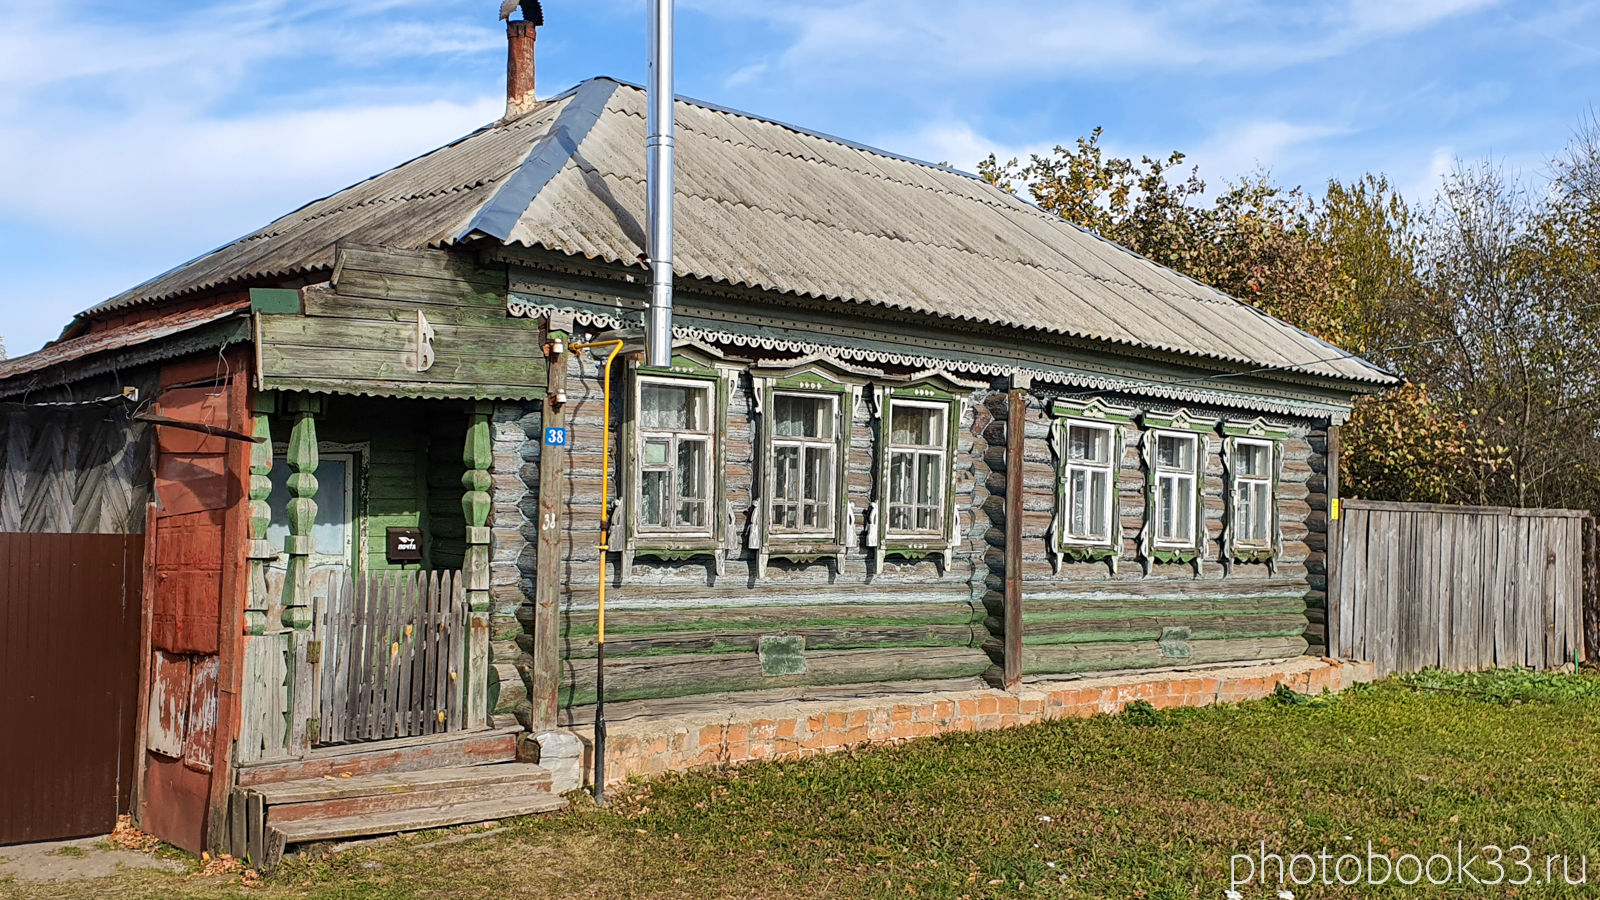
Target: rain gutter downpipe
x=661, y=125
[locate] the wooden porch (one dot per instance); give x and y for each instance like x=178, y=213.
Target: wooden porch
x=366, y=699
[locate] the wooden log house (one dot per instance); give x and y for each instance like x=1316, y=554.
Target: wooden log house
x=915, y=430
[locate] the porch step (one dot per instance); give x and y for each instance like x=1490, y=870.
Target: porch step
x=416, y=819
x=334, y=797
x=472, y=748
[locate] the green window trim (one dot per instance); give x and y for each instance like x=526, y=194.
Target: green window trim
x=1259, y=432
x=811, y=380
x=1153, y=551
x=932, y=392
x=1097, y=414
x=695, y=370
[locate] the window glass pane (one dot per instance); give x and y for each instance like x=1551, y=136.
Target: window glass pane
x=1263, y=511
x=692, y=470
x=900, y=480
x=785, y=472
x=802, y=417
x=1175, y=452
x=656, y=452
x=927, y=518
x=1183, y=493
x=1088, y=444
x=1251, y=459
x=1099, y=501
x=653, y=499
x=699, y=414
x=1166, y=508
x=692, y=514
x=664, y=407
x=328, y=530
x=928, y=478
x=1078, y=493
x=819, y=473
x=916, y=426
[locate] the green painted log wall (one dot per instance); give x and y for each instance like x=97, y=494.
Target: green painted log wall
x=676, y=629
x=410, y=444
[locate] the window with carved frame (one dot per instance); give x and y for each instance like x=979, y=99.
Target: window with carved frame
x=1252, y=493
x=674, y=439
x=1089, y=476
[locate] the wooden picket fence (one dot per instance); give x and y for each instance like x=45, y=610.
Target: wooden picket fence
x=1414, y=585
x=393, y=650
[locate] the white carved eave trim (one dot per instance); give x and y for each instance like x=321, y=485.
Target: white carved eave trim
x=518, y=307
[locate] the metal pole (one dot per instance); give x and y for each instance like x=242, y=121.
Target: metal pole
x=604, y=547
x=660, y=122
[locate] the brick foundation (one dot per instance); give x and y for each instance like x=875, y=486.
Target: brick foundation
x=647, y=746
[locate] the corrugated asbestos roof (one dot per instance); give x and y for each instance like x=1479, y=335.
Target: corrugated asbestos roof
x=774, y=207
x=118, y=337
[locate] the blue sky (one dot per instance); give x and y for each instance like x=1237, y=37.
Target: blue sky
x=138, y=137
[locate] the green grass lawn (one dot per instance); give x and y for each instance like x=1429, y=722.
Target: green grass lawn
x=1143, y=805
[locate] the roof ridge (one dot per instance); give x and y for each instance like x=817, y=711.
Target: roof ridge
x=878, y=175
x=810, y=132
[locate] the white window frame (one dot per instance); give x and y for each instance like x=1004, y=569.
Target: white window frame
x=1163, y=476
x=826, y=522
x=941, y=449
x=1108, y=467
x=328, y=451
x=675, y=437
x=1243, y=483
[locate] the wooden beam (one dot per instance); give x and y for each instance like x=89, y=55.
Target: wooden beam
x=235, y=597
x=147, y=603
x=547, y=584
x=1016, y=425
x=1330, y=602
x=213, y=430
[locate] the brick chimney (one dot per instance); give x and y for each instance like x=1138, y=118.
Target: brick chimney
x=520, y=36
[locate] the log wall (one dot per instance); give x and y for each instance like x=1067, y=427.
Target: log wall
x=1087, y=618
x=677, y=628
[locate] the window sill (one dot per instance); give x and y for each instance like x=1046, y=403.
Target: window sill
x=648, y=545
x=1089, y=552
x=1253, y=553
x=896, y=542
x=791, y=548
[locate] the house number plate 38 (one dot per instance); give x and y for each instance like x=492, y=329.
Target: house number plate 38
x=555, y=437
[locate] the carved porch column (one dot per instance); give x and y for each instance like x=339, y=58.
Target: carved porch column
x=261, y=703
x=477, y=456
x=297, y=602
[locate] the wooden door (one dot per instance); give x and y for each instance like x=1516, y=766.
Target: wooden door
x=69, y=660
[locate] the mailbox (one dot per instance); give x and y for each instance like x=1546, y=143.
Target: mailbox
x=405, y=545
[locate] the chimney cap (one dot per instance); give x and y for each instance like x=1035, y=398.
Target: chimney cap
x=532, y=12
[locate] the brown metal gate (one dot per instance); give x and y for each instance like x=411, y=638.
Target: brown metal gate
x=69, y=656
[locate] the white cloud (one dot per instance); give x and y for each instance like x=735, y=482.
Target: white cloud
x=164, y=174
x=956, y=143
x=977, y=38
x=1407, y=15
x=1275, y=146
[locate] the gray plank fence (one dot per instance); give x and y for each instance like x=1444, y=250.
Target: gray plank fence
x=1414, y=585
